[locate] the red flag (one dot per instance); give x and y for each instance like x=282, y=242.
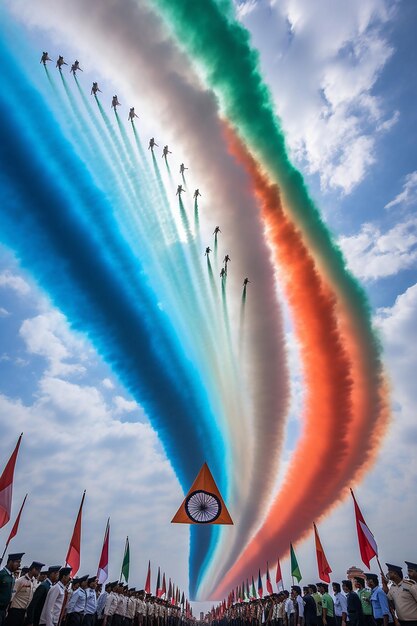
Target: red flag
x=268, y=581
x=15, y=528
x=322, y=563
x=74, y=550
x=278, y=576
x=6, y=486
x=367, y=543
x=164, y=585
x=103, y=566
x=148, y=579
x=174, y=593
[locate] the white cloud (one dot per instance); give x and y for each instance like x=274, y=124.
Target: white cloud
x=48, y=335
x=372, y=254
x=15, y=282
x=78, y=445
x=322, y=61
x=124, y=406
x=408, y=195
x=107, y=383
x=4, y=312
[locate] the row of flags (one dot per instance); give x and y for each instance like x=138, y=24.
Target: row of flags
x=171, y=593
x=367, y=547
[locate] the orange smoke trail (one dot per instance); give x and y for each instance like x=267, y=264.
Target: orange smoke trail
x=326, y=367
x=335, y=353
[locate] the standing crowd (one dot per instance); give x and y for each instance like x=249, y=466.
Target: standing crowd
x=33, y=597
x=358, y=601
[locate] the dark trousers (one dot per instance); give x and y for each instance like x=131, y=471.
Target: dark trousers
x=89, y=619
x=2, y=616
x=74, y=619
x=15, y=617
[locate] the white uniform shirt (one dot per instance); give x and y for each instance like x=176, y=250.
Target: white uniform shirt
x=111, y=604
x=22, y=593
x=289, y=606
x=340, y=604
x=91, y=601
x=53, y=605
x=300, y=605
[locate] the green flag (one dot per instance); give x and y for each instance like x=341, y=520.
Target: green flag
x=125, y=564
x=295, y=570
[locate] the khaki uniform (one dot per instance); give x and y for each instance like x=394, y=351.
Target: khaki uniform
x=404, y=597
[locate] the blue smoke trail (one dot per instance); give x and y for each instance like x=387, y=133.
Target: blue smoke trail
x=47, y=192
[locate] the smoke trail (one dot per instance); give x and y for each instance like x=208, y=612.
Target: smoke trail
x=242, y=320
x=133, y=32
x=327, y=378
x=43, y=221
x=196, y=217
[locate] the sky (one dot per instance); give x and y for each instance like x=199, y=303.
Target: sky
x=125, y=360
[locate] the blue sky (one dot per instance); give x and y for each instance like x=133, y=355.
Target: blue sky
x=344, y=85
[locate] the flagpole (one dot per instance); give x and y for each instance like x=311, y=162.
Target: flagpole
x=2, y=556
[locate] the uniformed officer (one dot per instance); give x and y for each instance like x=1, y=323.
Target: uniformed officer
x=91, y=602
x=412, y=570
x=54, y=603
x=35, y=607
x=379, y=601
x=111, y=604
x=23, y=592
x=7, y=581
x=403, y=594
x=365, y=598
x=76, y=604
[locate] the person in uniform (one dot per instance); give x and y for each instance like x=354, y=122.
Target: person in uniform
x=327, y=605
x=340, y=605
x=365, y=598
x=379, y=601
x=101, y=603
x=90, y=602
x=310, y=611
x=130, y=607
x=141, y=608
x=354, y=605
x=55, y=600
x=183, y=168
x=403, y=595
x=22, y=596
x=7, y=581
x=298, y=604
x=317, y=599
x=111, y=603
x=35, y=607
x=412, y=570
x=76, y=604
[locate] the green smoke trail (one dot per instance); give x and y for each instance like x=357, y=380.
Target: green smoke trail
x=168, y=170
x=51, y=82
x=196, y=216
x=226, y=317
x=231, y=69
x=242, y=320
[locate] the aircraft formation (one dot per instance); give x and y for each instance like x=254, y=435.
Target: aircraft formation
x=75, y=67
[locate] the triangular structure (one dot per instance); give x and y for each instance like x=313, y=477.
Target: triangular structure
x=203, y=504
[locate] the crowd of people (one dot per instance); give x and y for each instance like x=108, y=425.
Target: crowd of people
x=35, y=597
x=360, y=600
